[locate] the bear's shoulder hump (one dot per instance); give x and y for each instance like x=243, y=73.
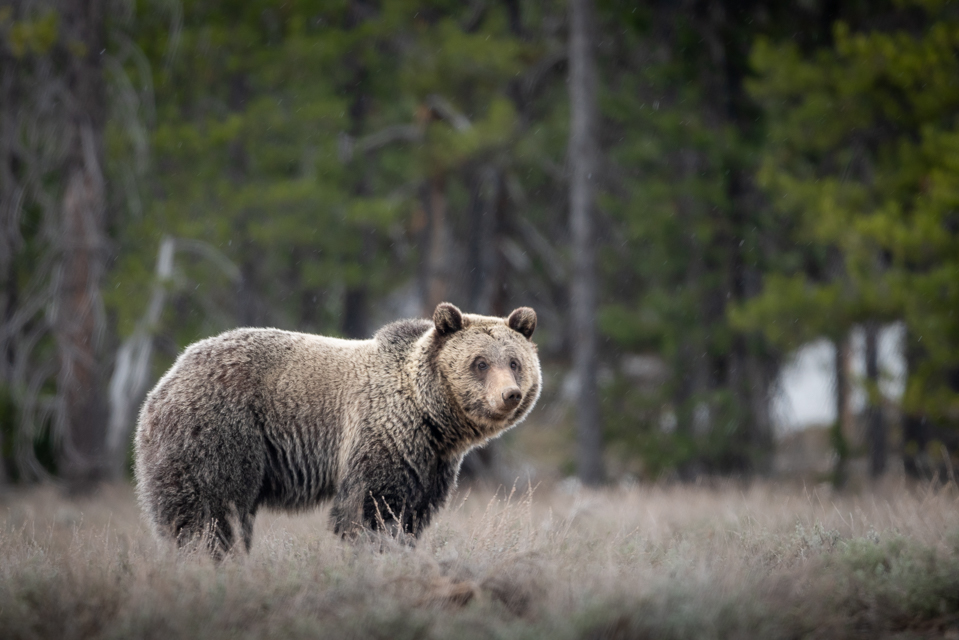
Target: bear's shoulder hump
x=403, y=331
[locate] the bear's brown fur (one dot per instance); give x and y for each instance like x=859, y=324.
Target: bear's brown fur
x=264, y=417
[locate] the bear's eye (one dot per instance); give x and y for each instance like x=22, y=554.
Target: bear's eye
x=482, y=366
x=513, y=365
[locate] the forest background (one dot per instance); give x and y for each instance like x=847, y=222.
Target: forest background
x=685, y=192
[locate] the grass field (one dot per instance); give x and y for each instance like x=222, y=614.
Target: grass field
x=731, y=561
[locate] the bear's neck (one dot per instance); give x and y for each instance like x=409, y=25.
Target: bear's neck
x=449, y=429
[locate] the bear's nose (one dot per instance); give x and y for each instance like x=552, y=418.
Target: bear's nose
x=511, y=397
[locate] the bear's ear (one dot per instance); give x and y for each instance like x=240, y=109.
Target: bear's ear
x=523, y=320
x=447, y=318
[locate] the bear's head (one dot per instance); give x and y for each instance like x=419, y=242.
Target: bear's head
x=489, y=365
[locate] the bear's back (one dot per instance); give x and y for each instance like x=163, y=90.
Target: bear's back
x=238, y=360
x=227, y=369
x=402, y=333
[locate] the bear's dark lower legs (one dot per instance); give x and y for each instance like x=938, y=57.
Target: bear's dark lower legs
x=247, y=529
x=214, y=530
x=359, y=512
x=200, y=497
x=346, y=515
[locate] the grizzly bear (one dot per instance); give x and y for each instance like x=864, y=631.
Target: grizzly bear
x=264, y=417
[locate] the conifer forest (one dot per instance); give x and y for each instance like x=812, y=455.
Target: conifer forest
x=687, y=193
x=737, y=223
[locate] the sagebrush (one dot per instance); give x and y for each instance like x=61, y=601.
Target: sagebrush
x=560, y=562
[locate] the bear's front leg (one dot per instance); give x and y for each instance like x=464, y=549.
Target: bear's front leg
x=364, y=505
x=346, y=515
x=392, y=494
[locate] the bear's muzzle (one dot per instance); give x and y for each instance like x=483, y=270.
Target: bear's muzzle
x=503, y=394
x=511, y=397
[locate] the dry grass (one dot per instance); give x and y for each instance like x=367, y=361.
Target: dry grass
x=644, y=562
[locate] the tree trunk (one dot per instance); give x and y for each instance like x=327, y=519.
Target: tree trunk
x=356, y=294
x=840, y=435
x=583, y=151
x=355, y=311
x=747, y=379
x=437, y=264
x=483, y=242
x=78, y=318
x=486, y=286
x=760, y=372
x=10, y=192
x=250, y=308
x=875, y=427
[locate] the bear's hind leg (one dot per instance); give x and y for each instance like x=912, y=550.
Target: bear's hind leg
x=216, y=532
x=203, y=493
x=346, y=516
x=247, y=527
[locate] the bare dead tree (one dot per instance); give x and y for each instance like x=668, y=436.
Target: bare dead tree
x=583, y=152
x=356, y=293
x=52, y=321
x=10, y=194
x=34, y=144
x=131, y=373
x=81, y=246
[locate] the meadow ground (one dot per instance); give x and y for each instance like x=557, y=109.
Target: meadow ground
x=672, y=561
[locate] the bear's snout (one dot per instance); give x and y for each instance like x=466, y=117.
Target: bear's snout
x=511, y=397
x=503, y=394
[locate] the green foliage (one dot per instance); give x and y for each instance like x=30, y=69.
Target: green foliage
x=792, y=310
x=906, y=580
x=253, y=102
x=33, y=36
x=770, y=174
x=863, y=155
x=685, y=238
x=249, y=105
